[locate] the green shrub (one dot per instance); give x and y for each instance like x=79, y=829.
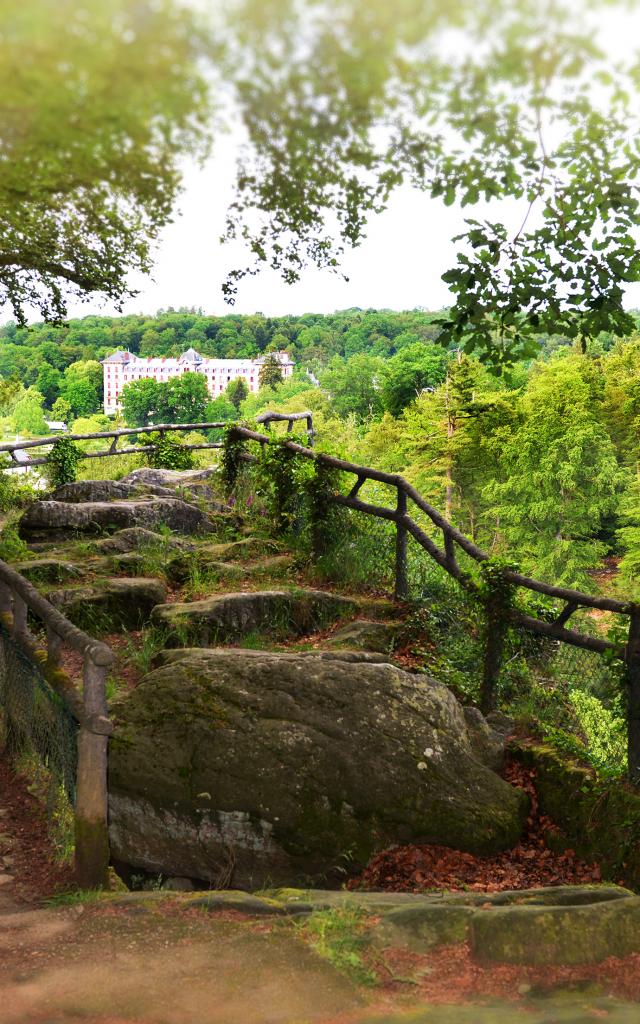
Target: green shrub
x=14, y=490
x=62, y=466
x=168, y=452
x=605, y=730
x=12, y=547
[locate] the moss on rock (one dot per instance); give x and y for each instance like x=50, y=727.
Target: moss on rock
x=254, y=766
x=601, y=821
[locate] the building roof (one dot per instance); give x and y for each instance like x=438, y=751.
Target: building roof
x=118, y=357
x=190, y=356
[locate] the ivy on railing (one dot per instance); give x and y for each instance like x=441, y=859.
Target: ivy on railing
x=63, y=462
x=499, y=585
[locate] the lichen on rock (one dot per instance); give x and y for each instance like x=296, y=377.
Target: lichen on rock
x=260, y=767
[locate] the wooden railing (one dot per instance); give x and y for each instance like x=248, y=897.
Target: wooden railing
x=446, y=556
x=267, y=418
x=18, y=599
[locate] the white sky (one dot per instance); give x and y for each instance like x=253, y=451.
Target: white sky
x=398, y=266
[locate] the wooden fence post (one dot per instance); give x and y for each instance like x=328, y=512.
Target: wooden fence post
x=6, y=605
x=54, y=647
x=91, y=824
x=496, y=628
x=632, y=662
x=402, y=582
x=19, y=615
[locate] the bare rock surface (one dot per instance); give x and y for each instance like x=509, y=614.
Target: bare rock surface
x=366, y=635
x=119, y=603
x=107, y=490
x=54, y=520
x=242, y=767
x=136, y=537
x=228, y=617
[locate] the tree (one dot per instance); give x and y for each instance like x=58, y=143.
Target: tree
x=367, y=97
x=100, y=102
x=220, y=409
x=82, y=396
x=48, y=383
x=11, y=391
x=61, y=410
x=186, y=398
x=412, y=370
x=28, y=417
x=270, y=375
x=142, y=402
x=557, y=474
x=237, y=390
x=354, y=385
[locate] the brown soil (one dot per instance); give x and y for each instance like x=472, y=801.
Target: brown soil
x=36, y=874
x=530, y=863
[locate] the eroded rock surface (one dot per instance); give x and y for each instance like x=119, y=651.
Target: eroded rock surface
x=168, y=477
x=136, y=537
x=52, y=520
x=119, y=603
x=368, y=636
x=106, y=490
x=242, y=767
x=228, y=617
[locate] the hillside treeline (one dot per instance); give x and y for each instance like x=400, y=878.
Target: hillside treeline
x=540, y=463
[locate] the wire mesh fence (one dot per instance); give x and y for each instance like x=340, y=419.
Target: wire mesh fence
x=447, y=626
x=39, y=735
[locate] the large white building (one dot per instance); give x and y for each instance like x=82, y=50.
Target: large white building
x=122, y=368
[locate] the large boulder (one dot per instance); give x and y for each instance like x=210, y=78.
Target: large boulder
x=136, y=537
x=180, y=566
x=366, y=636
x=106, y=490
x=194, y=483
x=242, y=768
x=168, y=477
x=228, y=617
x=53, y=520
x=48, y=570
x=120, y=603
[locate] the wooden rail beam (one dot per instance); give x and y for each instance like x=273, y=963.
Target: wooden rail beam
x=401, y=577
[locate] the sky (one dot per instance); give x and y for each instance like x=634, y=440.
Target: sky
x=398, y=265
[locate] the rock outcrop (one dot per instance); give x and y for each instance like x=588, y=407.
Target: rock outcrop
x=168, y=477
x=136, y=537
x=194, y=483
x=229, y=617
x=107, y=490
x=240, y=768
x=119, y=603
x=48, y=570
x=54, y=520
x=366, y=636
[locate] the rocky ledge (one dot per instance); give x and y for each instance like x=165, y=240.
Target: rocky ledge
x=240, y=767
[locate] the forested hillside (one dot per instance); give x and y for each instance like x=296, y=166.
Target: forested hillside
x=540, y=463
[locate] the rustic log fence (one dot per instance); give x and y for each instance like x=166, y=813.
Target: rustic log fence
x=267, y=418
x=20, y=600
x=446, y=555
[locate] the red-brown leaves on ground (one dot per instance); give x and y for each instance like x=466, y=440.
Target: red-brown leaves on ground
x=451, y=975
x=529, y=864
x=35, y=870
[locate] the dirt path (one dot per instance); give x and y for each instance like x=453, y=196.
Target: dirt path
x=153, y=959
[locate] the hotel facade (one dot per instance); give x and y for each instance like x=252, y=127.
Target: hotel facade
x=123, y=368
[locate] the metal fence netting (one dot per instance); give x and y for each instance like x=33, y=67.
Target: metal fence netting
x=39, y=734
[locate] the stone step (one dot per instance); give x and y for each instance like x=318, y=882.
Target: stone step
x=59, y=520
x=231, y=617
x=112, y=603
